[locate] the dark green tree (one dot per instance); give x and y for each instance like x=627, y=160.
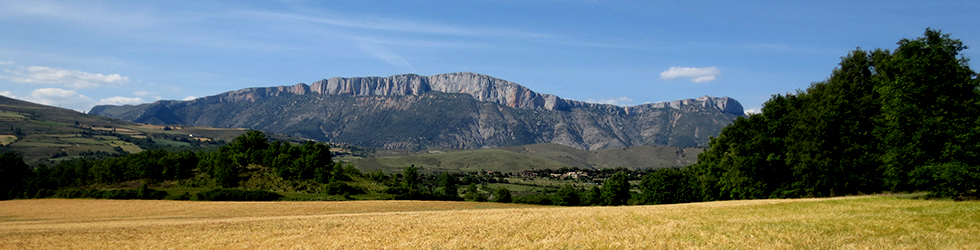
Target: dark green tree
x=282, y=165
x=474, y=194
x=952, y=180
x=448, y=187
x=502, y=195
x=568, y=195
x=249, y=148
x=616, y=190
x=109, y=170
x=143, y=191
x=149, y=164
x=411, y=177
x=832, y=146
x=666, y=186
x=928, y=107
x=868, y=128
x=222, y=168
x=593, y=197
x=315, y=162
x=227, y=175
x=14, y=175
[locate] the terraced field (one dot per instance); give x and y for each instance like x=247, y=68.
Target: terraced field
x=44, y=134
x=874, y=222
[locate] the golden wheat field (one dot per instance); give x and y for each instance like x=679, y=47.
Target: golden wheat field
x=874, y=222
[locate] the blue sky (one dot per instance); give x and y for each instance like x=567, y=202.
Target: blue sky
x=77, y=54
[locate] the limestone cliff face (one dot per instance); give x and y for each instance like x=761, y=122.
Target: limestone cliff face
x=481, y=87
x=456, y=110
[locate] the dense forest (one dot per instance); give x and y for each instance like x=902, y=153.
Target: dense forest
x=884, y=121
x=906, y=120
x=222, y=168
x=253, y=167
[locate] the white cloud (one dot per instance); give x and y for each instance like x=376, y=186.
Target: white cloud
x=622, y=100
x=697, y=75
x=65, y=77
x=120, y=100
x=752, y=111
x=61, y=98
x=8, y=94
x=190, y=98
x=141, y=93
x=6, y=62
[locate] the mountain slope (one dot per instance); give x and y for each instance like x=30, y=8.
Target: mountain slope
x=457, y=110
x=44, y=134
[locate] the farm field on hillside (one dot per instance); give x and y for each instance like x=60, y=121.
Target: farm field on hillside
x=851, y=223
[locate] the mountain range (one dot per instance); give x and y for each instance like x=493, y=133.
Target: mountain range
x=456, y=110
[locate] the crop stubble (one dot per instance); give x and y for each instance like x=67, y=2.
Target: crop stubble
x=849, y=223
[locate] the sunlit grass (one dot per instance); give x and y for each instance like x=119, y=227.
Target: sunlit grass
x=7, y=139
x=11, y=115
x=126, y=146
x=840, y=223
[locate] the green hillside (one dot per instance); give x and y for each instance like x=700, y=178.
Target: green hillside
x=45, y=134
x=530, y=157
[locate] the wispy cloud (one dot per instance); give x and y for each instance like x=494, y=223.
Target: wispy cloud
x=6, y=62
x=120, y=100
x=386, y=24
x=256, y=30
x=92, y=15
x=381, y=52
x=697, y=75
x=619, y=101
x=65, y=77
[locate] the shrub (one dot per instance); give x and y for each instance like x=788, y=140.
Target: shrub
x=536, y=199
x=115, y=194
x=339, y=187
x=182, y=197
x=948, y=180
x=502, y=195
x=221, y=194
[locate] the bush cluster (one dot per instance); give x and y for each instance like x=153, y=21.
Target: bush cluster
x=222, y=194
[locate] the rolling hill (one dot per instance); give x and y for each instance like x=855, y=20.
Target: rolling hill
x=42, y=134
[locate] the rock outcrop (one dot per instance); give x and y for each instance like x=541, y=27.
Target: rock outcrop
x=481, y=87
x=456, y=110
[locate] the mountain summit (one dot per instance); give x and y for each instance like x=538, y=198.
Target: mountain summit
x=455, y=110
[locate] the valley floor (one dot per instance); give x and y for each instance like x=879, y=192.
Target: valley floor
x=876, y=222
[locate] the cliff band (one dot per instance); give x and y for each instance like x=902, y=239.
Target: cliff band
x=456, y=110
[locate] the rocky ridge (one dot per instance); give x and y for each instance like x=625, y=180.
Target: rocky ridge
x=456, y=110
x=481, y=87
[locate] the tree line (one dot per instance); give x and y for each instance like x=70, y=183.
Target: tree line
x=221, y=168
x=884, y=121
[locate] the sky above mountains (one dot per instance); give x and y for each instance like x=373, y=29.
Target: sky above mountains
x=77, y=54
